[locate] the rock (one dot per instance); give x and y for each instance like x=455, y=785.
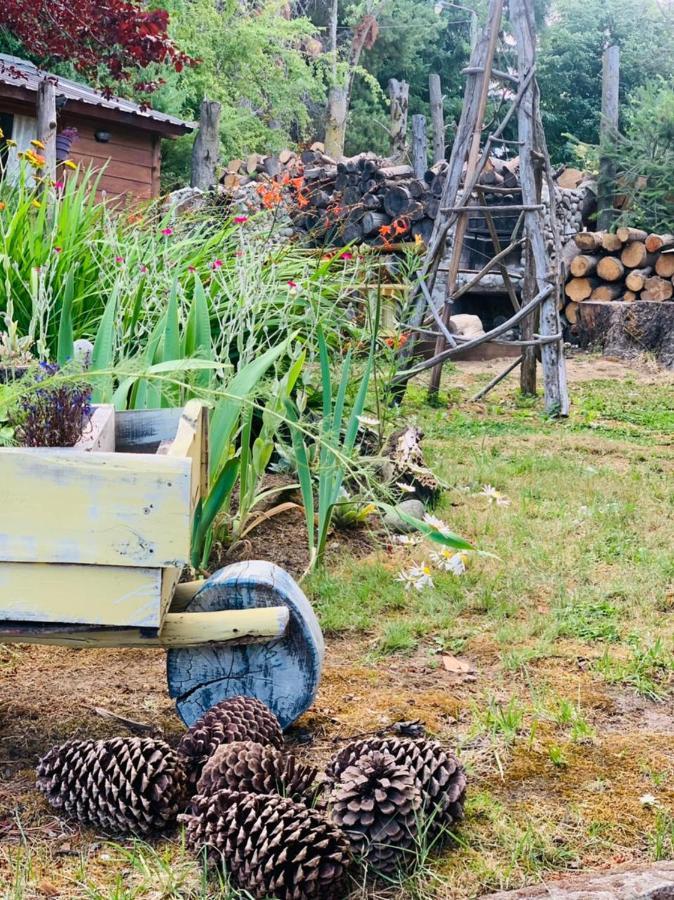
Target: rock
x=411, y=507
x=648, y=882
x=187, y=199
x=466, y=325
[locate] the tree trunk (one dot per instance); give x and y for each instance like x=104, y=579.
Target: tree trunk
x=206, y=147
x=419, y=146
x=610, y=87
x=46, y=130
x=335, y=126
x=437, y=117
x=398, y=92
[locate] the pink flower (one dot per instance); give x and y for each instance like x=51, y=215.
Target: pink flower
x=58, y=249
x=143, y=268
x=191, y=269
x=216, y=264
x=167, y=232
x=119, y=259
x=240, y=219
x=346, y=255
x=239, y=253
x=59, y=185
x=292, y=284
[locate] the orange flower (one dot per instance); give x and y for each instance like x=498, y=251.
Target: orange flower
x=38, y=144
x=2, y=206
x=69, y=164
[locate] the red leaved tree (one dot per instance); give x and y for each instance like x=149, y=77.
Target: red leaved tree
x=119, y=35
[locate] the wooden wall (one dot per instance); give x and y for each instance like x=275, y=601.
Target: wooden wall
x=132, y=157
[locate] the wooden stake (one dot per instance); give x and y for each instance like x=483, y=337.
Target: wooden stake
x=419, y=146
x=437, y=116
x=46, y=130
x=610, y=87
x=497, y=379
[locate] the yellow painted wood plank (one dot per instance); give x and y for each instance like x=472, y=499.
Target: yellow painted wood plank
x=99, y=434
x=65, y=506
x=96, y=595
x=180, y=630
x=191, y=442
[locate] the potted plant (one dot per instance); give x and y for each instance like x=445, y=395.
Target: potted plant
x=64, y=141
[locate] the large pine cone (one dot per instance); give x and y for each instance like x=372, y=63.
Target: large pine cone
x=250, y=767
x=376, y=801
x=441, y=777
x=234, y=719
x=270, y=846
x=124, y=785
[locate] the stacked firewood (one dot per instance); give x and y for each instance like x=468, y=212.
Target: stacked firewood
x=627, y=265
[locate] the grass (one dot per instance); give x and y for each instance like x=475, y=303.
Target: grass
x=564, y=722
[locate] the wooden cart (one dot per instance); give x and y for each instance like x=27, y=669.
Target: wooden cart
x=93, y=541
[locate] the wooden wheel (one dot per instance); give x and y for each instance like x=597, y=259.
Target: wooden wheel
x=283, y=673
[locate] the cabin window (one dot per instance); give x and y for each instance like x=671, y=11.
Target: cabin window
x=22, y=130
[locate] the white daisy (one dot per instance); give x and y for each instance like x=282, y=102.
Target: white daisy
x=417, y=577
x=406, y=488
x=449, y=561
x=436, y=523
x=367, y=421
x=494, y=496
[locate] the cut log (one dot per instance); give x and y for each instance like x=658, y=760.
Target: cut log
x=587, y=241
x=627, y=235
x=664, y=265
x=629, y=296
x=372, y=222
x=610, y=242
x=657, y=288
x=396, y=200
x=583, y=265
x=610, y=268
x=571, y=312
x=635, y=279
x=396, y=171
x=578, y=289
x=605, y=292
x=634, y=255
x=655, y=242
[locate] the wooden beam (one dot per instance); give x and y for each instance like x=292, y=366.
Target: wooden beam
x=399, y=92
x=419, y=146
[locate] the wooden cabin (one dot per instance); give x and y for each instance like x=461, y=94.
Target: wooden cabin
x=114, y=134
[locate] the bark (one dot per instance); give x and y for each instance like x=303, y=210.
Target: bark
x=419, y=146
x=398, y=92
x=46, y=128
x=437, y=117
x=608, y=131
x=206, y=147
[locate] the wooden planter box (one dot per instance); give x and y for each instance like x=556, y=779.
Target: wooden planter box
x=98, y=534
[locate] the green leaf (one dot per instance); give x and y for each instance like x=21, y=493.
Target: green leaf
x=217, y=497
x=446, y=538
x=226, y=413
x=171, y=349
x=104, y=350
x=65, y=349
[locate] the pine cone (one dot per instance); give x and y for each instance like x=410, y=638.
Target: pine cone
x=121, y=785
x=442, y=779
x=234, y=719
x=270, y=846
x=251, y=768
x=375, y=801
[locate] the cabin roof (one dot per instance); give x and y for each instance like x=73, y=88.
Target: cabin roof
x=20, y=78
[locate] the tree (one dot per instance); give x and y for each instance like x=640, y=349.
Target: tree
x=117, y=37
x=569, y=63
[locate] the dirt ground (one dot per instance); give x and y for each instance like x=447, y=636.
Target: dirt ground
x=52, y=694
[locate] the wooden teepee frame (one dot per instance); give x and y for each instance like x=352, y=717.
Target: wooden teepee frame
x=540, y=293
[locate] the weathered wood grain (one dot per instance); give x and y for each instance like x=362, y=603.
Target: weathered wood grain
x=99, y=434
x=142, y=430
x=283, y=673
x=63, y=506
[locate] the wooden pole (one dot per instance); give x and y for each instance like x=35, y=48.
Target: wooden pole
x=483, y=78
x=46, y=129
x=610, y=89
x=399, y=92
x=437, y=117
x=206, y=147
x=419, y=146
x=533, y=150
